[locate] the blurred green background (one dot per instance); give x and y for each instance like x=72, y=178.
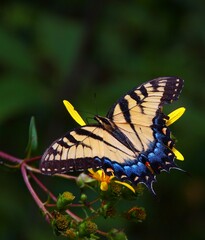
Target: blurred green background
x=92, y=52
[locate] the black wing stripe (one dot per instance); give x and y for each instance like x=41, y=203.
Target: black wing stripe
x=125, y=110
x=136, y=97
x=90, y=134
x=167, y=89
x=63, y=143
x=155, y=85
x=70, y=138
x=124, y=105
x=86, y=133
x=172, y=89
x=143, y=90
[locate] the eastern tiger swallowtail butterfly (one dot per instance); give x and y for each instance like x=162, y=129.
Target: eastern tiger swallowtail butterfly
x=132, y=142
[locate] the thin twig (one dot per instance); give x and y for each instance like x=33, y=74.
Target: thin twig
x=10, y=158
x=33, y=193
x=53, y=197
x=36, y=170
x=23, y=164
x=33, y=159
x=43, y=187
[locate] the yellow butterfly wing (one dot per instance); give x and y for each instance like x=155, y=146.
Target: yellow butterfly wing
x=134, y=113
x=83, y=148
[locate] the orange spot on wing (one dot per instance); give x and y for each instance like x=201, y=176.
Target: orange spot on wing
x=147, y=164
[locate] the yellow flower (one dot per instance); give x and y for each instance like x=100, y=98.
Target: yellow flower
x=104, y=179
x=101, y=177
x=174, y=116
x=74, y=114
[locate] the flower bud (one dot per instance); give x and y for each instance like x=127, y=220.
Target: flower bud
x=83, y=179
x=87, y=227
x=107, y=210
x=60, y=222
x=136, y=214
x=64, y=199
x=83, y=197
x=71, y=234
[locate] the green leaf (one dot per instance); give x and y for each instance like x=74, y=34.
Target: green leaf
x=32, y=138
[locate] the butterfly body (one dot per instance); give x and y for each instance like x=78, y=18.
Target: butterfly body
x=132, y=142
x=106, y=123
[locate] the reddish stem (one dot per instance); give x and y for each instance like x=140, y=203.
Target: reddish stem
x=33, y=193
x=33, y=159
x=53, y=197
x=10, y=158
x=102, y=233
x=43, y=187
x=78, y=219
x=50, y=205
x=24, y=168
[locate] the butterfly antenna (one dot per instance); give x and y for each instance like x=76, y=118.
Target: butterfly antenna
x=96, y=106
x=91, y=115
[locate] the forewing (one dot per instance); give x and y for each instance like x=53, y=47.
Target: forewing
x=83, y=148
x=135, y=112
x=140, y=105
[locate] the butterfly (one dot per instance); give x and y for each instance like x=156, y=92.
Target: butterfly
x=133, y=141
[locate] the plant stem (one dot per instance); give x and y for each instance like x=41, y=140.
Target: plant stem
x=24, y=168
x=43, y=187
x=10, y=158
x=33, y=193
x=53, y=197
x=33, y=159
